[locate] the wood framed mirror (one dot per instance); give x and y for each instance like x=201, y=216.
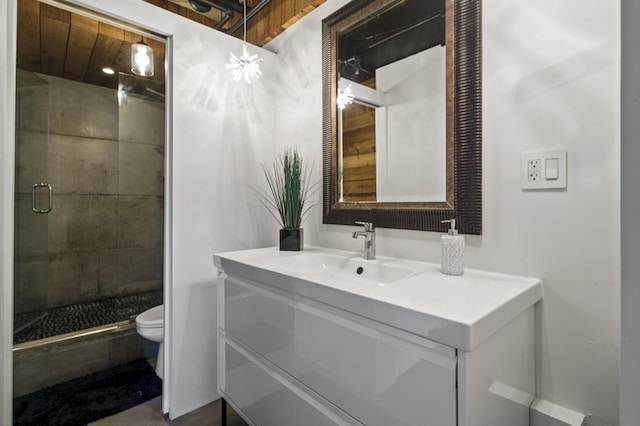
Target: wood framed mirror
x=404, y=150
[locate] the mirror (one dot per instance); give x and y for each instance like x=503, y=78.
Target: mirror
x=401, y=114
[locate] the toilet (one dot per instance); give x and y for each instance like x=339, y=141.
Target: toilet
x=150, y=325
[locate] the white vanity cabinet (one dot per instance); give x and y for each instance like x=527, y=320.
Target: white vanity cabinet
x=296, y=351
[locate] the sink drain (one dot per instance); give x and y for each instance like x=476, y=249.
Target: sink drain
x=360, y=270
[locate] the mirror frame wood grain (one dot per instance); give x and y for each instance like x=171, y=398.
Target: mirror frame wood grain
x=463, y=128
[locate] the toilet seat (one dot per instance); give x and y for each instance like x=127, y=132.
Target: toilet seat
x=151, y=318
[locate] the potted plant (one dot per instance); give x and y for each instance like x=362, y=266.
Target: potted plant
x=288, y=196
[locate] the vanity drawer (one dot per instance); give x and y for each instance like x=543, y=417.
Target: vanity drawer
x=370, y=372
x=268, y=398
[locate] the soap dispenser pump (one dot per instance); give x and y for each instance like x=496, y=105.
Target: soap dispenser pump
x=452, y=262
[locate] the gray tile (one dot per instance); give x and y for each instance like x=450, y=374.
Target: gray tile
x=31, y=160
x=82, y=222
x=139, y=286
x=81, y=109
x=72, y=278
x=134, y=347
x=31, y=229
x=31, y=286
x=28, y=79
x=32, y=102
x=141, y=169
x=60, y=362
x=140, y=221
x=140, y=269
x=141, y=120
x=108, y=273
x=83, y=166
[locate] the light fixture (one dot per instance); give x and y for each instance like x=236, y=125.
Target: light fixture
x=199, y=6
x=345, y=97
x=141, y=59
x=108, y=70
x=245, y=66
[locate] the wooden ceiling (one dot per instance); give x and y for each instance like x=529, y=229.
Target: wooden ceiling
x=56, y=42
x=273, y=19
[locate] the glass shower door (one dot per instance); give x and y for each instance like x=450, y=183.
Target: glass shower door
x=33, y=200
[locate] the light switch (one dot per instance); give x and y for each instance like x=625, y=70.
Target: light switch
x=544, y=170
x=551, y=169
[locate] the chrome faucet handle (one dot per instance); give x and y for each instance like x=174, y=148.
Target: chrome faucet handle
x=368, y=226
x=369, y=239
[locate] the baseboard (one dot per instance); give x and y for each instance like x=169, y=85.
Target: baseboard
x=545, y=413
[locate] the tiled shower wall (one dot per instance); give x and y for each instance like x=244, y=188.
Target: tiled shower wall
x=105, y=162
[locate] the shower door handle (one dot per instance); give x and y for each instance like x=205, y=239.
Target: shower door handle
x=33, y=198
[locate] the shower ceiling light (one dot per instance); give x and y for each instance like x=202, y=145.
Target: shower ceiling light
x=141, y=59
x=245, y=66
x=108, y=70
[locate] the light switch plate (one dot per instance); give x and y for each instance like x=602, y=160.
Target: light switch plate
x=534, y=173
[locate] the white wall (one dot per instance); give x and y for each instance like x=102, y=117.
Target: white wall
x=7, y=132
x=410, y=156
x=630, y=379
x=550, y=79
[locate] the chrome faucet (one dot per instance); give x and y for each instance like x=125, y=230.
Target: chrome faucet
x=369, y=239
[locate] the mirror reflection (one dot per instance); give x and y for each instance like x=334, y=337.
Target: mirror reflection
x=402, y=126
x=392, y=105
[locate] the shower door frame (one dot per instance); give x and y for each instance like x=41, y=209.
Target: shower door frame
x=8, y=31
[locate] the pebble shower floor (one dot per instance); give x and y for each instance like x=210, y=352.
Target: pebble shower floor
x=80, y=316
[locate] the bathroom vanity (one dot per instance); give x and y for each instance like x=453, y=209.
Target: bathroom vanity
x=323, y=337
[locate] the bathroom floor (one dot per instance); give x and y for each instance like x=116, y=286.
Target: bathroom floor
x=80, y=316
x=150, y=414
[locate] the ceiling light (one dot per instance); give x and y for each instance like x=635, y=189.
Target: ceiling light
x=199, y=6
x=245, y=66
x=108, y=70
x=141, y=59
x=345, y=97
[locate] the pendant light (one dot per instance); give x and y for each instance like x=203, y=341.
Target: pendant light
x=345, y=97
x=141, y=59
x=245, y=66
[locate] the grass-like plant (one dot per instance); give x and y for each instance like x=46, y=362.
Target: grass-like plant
x=290, y=189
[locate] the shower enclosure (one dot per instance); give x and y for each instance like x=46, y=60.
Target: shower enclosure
x=89, y=195
x=89, y=203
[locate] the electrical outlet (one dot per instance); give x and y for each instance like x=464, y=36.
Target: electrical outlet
x=533, y=171
x=544, y=169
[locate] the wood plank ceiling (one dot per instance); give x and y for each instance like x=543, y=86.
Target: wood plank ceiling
x=272, y=20
x=56, y=42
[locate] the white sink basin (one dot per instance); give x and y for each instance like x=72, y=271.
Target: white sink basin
x=343, y=268
x=460, y=312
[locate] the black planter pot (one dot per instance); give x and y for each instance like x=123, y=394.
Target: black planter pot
x=291, y=239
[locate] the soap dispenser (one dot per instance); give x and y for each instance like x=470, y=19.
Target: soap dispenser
x=452, y=262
